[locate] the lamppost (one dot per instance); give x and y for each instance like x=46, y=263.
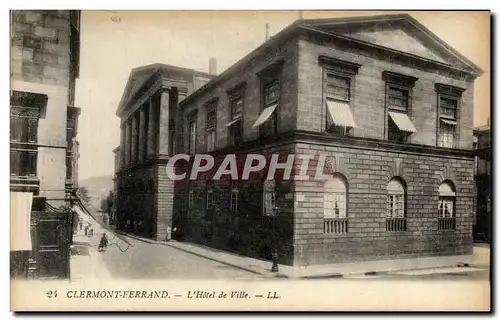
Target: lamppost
x=275, y=268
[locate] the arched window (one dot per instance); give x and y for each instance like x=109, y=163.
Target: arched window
x=335, y=205
x=269, y=198
x=335, y=198
x=395, y=199
x=396, y=206
x=446, y=206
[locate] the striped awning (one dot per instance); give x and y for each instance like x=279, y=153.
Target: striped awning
x=447, y=121
x=403, y=122
x=20, y=221
x=233, y=121
x=340, y=113
x=264, y=116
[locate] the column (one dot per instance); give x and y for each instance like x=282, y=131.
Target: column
x=142, y=133
x=133, y=153
x=150, y=145
x=164, y=123
x=179, y=125
x=122, y=147
x=127, y=142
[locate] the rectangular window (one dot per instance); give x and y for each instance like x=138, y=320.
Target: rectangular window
x=337, y=93
x=210, y=140
x=236, y=107
x=235, y=125
x=211, y=129
x=234, y=201
x=447, y=121
x=192, y=134
x=448, y=107
x=398, y=98
x=448, y=112
x=338, y=87
x=23, y=162
x=271, y=95
x=23, y=129
x=24, y=136
x=210, y=199
x=398, y=102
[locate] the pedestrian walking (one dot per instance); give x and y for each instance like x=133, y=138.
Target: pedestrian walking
x=103, y=243
x=86, y=230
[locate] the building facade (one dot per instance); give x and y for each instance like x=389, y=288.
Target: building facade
x=43, y=125
x=387, y=102
x=482, y=146
x=148, y=111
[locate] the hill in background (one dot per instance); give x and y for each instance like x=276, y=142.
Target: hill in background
x=98, y=187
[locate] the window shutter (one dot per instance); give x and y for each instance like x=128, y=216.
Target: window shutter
x=16, y=129
x=32, y=130
x=31, y=164
x=15, y=162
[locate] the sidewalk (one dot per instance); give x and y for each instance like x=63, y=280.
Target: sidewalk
x=85, y=263
x=420, y=266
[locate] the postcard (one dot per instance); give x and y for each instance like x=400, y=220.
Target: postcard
x=250, y=160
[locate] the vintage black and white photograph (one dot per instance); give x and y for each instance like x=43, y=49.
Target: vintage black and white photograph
x=267, y=153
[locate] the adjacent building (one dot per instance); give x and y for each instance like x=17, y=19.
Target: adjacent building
x=390, y=105
x=482, y=147
x=148, y=114
x=45, y=48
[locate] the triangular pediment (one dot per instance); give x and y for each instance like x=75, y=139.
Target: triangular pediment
x=136, y=79
x=399, y=39
x=398, y=32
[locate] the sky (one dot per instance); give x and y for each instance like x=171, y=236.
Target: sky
x=114, y=42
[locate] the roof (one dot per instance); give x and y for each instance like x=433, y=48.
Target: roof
x=327, y=26
x=139, y=75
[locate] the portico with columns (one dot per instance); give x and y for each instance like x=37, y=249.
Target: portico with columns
x=147, y=114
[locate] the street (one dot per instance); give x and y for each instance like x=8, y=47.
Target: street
x=144, y=260
x=158, y=261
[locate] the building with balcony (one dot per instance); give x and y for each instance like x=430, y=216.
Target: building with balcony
x=384, y=99
x=45, y=48
x=148, y=112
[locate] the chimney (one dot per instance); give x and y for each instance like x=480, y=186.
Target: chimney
x=212, y=66
x=267, y=31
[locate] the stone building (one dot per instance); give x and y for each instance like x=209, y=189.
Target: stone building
x=45, y=48
x=389, y=104
x=147, y=114
x=482, y=147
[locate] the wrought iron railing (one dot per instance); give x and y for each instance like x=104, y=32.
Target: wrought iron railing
x=395, y=224
x=446, y=223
